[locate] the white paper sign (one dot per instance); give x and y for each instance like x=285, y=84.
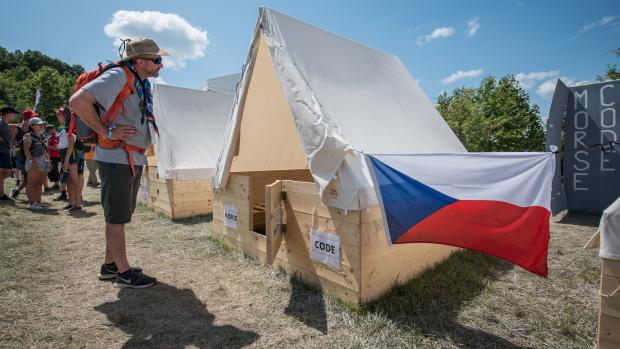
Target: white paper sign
x=325, y=248
x=231, y=219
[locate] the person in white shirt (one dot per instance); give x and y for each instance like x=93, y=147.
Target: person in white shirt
x=63, y=144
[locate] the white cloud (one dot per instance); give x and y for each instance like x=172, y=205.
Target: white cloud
x=461, y=75
x=528, y=80
x=606, y=20
x=472, y=26
x=436, y=34
x=601, y=22
x=546, y=89
x=587, y=27
x=170, y=31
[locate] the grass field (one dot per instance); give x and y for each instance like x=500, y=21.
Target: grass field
x=211, y=297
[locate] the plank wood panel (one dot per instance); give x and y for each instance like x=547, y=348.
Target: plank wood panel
x=609, y=332
x=297, y=237
x=257, y=251
x=273, y=219
x=178, y=199
x=307, y=203
x=383, y=266
x=369, y=267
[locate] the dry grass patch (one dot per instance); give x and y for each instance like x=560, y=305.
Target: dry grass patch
x=210, y=296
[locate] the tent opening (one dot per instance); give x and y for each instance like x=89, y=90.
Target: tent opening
x=269, y=147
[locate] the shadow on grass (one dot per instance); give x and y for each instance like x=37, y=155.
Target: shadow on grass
x=44, y=211
x=581, y=218
x=164, y=316
x=306, y=305
x=195, y=219
x=9, y=203
x=88, y=203
x=430, y=303
x=82, y=213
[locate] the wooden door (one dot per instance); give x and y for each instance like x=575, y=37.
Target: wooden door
x=274, y=222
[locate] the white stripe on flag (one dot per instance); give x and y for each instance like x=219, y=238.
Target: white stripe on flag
x=522, y=179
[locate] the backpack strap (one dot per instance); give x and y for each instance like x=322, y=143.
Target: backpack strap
x=69, y=115
x=118, y=108
x=71, y=123
x=114, y=111
x=132, y=149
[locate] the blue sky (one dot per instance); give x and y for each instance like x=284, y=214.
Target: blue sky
x=537, y=41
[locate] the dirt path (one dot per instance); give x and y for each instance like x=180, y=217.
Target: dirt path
x=211, y=297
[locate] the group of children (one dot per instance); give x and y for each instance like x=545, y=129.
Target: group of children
x=39, y=154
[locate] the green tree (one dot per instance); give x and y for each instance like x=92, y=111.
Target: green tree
x=612, y=72
x=496, y=116
x=55, y=89
x=21, y=73
x=13, y=90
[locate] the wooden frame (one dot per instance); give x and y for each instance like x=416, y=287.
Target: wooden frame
x=178, y=199
x=609, y=310
x=369, y=267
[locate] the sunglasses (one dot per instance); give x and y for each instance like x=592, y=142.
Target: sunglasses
x=157, y=60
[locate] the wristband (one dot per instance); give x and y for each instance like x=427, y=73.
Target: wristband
x=112, y=127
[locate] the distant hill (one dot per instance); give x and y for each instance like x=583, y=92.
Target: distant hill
x=21, y=73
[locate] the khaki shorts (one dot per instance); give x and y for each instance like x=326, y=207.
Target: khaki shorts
x=119, y=190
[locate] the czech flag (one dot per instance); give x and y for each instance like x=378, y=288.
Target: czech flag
x=496, y=203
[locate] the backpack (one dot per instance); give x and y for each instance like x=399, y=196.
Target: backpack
x=77, y=126
x=84, y=133
x=20, y=155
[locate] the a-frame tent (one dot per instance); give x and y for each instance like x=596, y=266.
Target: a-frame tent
x=340, y=96
x=307, y=104
x=192, y=124
x=191, y=127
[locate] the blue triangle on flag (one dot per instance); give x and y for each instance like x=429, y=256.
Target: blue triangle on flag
x=405, y=200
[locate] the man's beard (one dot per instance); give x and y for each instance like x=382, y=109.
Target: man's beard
x=153, y=73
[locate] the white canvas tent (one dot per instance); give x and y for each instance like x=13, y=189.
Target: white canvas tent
x=340, y=97
x=191, y=125
x=290, y=170
x=225, y=84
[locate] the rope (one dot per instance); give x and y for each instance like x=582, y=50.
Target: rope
x=123, y=47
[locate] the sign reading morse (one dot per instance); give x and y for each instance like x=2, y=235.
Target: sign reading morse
x=231, y=218
x=583, y=123
x=592, y=173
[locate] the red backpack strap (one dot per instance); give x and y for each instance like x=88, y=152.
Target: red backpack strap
x=72, y=123
x=114, y=110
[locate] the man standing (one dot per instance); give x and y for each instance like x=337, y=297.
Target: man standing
x=120, y=167
x=7, y=115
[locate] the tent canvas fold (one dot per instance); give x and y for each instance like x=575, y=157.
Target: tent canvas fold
x=344, y=98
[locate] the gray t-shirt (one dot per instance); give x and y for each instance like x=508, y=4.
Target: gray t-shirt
x=5, y=136
x=105, y=89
